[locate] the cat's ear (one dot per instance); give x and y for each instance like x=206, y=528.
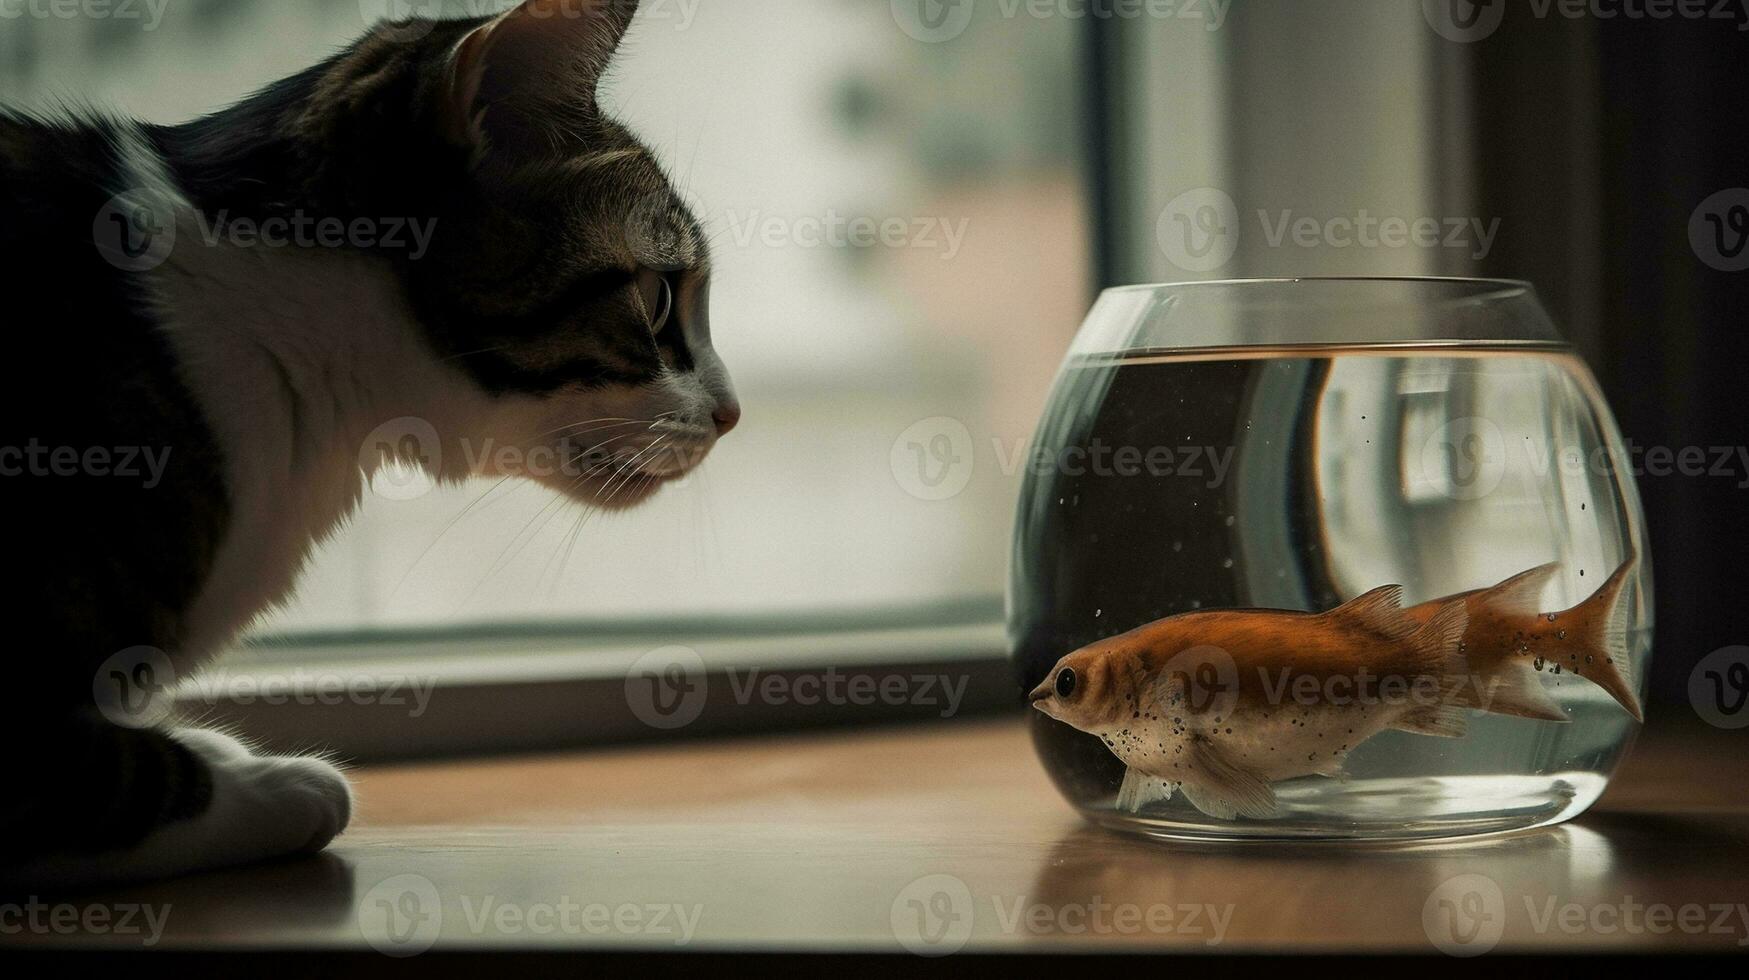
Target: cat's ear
x=543, y=60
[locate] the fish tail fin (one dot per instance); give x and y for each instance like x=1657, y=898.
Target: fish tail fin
x=1511, y=687
x=1516, y=689
x=1603, y=639
x=1438, y=650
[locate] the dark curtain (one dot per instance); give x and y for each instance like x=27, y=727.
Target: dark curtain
x=1596, y=141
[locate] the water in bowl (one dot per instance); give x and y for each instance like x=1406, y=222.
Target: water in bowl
x=1297, y=479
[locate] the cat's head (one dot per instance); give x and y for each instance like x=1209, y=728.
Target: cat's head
x=566, y=277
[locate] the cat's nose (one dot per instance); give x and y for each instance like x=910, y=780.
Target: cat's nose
x=727, y=416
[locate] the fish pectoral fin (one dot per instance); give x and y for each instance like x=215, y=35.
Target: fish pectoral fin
x=1224, y=791
x=1448, y=720
x=1516, y=690
x=1140, y=789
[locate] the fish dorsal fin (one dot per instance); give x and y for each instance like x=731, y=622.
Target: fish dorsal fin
x=1380, y=611
x=1521, y=595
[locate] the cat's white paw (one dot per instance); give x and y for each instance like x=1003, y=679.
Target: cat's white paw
x=262, y=807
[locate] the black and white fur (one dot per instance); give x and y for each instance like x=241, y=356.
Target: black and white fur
x=560, y=304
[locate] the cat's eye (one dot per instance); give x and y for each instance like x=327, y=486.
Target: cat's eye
x=657, y=293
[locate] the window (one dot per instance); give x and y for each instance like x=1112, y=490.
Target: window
x=901, y=237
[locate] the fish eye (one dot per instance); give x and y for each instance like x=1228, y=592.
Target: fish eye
x=1066, y=682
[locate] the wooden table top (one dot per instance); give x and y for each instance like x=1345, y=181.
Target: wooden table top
x=938, y=839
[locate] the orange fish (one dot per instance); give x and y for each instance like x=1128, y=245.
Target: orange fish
x=1511, y=639
x=1222, y=704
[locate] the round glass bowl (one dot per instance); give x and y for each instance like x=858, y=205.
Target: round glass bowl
x=1224, y=468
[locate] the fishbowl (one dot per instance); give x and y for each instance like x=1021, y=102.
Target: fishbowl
x=1329, y=559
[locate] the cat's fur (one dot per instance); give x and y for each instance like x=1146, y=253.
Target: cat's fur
x=272, y=375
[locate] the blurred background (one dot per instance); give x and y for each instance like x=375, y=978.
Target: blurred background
x=837, y=345
x=1017, y=157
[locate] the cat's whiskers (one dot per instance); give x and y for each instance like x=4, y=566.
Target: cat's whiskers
x=623, y=471
x=473, y=506
x=593, y=425
x=519, y=542
x=538, y=523
x=568, y=544
x=632, y=467
x=474, y=353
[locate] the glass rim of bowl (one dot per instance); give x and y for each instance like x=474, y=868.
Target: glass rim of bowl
x=1266, y=280
x=1349, y=312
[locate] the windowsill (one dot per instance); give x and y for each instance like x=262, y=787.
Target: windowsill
x=493, y=690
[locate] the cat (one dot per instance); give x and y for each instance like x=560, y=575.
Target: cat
x=434, y=241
